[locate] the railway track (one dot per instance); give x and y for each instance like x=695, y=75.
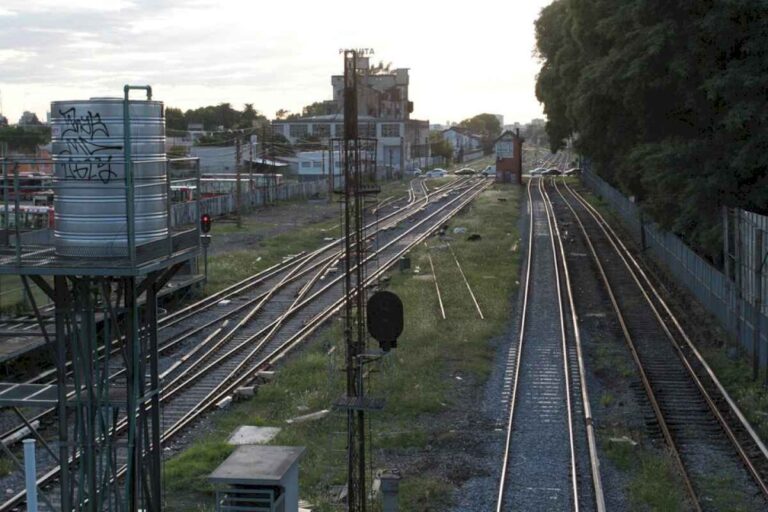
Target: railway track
x=550, y=454
x=229, y=357
x=187, y=322
x=707, y=436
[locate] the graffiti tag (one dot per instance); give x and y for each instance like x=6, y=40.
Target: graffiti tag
x=78, y=134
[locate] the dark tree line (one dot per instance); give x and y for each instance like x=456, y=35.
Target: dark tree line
x=214, y=117
x=25, y=139
x=667, y=100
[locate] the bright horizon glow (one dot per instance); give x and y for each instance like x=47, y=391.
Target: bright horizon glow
x=194, y=53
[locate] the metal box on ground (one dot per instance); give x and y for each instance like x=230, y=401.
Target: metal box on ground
x=259, y=479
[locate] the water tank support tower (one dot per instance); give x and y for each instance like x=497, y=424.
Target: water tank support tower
x=111, y=250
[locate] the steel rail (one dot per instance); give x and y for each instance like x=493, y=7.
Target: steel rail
x=434, y=277
x=474, y=190
x=271, y=329
x=231, y=291
x=518, y=358
x=649, y=391
x=321, y=317
x=466, y=282
x=647, y=287
x=594, y=458
x=551, y=222
x=172, y=342
x=401, y=213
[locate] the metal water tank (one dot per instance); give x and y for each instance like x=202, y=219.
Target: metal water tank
x=89, y=183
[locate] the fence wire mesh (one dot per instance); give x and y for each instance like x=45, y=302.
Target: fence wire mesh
x=732, y=300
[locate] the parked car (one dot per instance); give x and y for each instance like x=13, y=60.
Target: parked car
x=573, y=172
x=436, y=173
x=466, y=171
x=417, y=173
x=552, y=172
x=537, y=171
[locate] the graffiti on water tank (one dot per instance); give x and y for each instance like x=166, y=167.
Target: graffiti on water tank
x=94, y=159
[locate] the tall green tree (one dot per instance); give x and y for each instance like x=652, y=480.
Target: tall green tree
x=438, y=146
x=667, y=100
x=487, y=126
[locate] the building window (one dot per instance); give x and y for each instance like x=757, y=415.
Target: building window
x=278, y=128
x=390, y=130
x=322, y=131
x=306, y=165
x=298, y=130
x=338, y=130
x=367, y=130
x=317, y=164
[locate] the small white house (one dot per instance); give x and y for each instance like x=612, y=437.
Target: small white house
x=461, y=140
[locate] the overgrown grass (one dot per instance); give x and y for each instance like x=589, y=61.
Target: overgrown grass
x=418, y=379
x=735, y=374
x=654, y=484
x=230, y=267
x=6, y=466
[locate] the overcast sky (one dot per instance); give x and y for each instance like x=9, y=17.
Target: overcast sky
x=465, y=57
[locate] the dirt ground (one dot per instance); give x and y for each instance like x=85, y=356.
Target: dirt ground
x=265, y=222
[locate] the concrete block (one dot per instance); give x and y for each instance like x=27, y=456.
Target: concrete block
x=266, y=375
x=247, y=434
x=21, y=434
x=245, y=392
x=309, y=417
x=224, y=402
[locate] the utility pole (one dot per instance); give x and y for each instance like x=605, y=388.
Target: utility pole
x=354, y=402
x=265, y=185
x=238, y=190
x=273, y=172
x=250, y=165
x=328, y=178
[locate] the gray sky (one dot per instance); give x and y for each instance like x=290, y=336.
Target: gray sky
x=465, y=57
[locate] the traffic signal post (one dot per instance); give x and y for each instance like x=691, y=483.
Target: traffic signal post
x=205, y=239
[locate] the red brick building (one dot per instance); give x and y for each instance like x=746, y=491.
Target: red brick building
x=509, y=157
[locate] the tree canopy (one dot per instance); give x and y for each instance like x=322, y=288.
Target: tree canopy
x=487, y=126
x=440, y=147
x=666, y=99
x=214, y=116
x=24, y=139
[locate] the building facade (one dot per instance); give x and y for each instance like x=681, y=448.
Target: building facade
x=401, y=144
x=381, y=92
x=462, y=141
x=384, y=113
x=509, y=150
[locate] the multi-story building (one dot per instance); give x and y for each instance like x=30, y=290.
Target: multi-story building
x=381, y=92
x=384, y=110
x=401, y=144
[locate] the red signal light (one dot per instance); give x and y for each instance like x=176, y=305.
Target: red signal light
x=205, y=223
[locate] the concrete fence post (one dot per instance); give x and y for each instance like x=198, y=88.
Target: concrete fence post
x=30, y=474
x=390, y=484
x=757, y=305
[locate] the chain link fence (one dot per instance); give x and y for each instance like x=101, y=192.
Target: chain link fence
x=733, y=297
